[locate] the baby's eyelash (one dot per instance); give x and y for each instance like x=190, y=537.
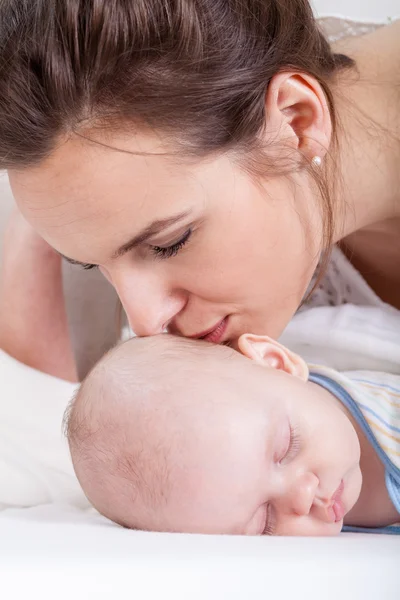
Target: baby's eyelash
x=269, y=524
x=294, y=447
x=294, y=444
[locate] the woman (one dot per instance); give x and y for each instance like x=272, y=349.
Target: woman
x=202, y=154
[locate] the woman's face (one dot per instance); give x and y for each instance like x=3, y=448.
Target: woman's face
x=198, y=247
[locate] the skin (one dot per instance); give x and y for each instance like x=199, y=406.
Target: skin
x=245, y=234
x=33, y=320
x=250, y=446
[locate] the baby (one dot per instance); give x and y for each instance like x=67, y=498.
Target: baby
x=169, y=434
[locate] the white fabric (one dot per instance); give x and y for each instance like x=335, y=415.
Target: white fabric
x=347, y=337
x=46, y=553
x=35, y=467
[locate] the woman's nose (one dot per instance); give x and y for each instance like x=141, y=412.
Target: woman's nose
x=301, y=493
x=149, y=304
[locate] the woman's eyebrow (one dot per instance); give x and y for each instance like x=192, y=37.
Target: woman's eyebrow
x=155, y=228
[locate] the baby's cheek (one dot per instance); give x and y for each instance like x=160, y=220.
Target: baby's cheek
x=257, y=524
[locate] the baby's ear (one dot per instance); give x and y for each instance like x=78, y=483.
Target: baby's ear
x=269, y=353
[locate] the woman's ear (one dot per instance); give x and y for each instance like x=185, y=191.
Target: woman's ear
x=297, y=108
x=269, y=353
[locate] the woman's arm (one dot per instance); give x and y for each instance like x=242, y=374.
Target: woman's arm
x=33, y=320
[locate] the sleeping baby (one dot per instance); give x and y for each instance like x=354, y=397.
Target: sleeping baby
x=171, y=434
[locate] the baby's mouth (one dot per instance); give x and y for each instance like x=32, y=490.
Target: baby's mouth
x=336, y=510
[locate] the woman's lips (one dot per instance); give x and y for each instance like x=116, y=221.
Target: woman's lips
x=215, y=334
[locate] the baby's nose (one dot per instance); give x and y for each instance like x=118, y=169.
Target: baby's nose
x=302, y=494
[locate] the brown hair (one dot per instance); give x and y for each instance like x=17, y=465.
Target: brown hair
x=197, y=70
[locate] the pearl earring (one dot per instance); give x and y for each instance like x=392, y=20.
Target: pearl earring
x=316, y=161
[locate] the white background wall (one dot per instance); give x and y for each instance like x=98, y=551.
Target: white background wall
x=368, y=10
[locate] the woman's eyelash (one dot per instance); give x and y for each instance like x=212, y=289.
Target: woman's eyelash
x=85, y=266
x=160, y=252
x=172, y=250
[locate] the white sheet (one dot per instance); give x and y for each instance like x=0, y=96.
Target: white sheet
x=50, y=552
x=35, y=467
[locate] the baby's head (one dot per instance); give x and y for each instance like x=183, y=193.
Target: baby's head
x=170, y=434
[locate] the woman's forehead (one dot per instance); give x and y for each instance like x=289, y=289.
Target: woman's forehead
x=84, y=189
x=82, y=171
x=86, y=178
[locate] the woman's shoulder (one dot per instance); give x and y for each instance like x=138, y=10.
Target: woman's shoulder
x=374, y=50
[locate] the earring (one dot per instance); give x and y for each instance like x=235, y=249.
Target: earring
x=316, y=161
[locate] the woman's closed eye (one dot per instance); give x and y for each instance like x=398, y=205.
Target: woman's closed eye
x=85, y=266
x=173, y=249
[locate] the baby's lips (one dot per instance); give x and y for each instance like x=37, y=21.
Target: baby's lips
x=339, y=510
x=336, y=509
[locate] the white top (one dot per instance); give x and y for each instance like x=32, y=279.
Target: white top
x=341, y=284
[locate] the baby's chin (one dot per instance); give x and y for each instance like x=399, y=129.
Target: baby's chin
x=331, y=530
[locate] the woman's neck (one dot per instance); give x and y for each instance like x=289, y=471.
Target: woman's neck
x=368, y=109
